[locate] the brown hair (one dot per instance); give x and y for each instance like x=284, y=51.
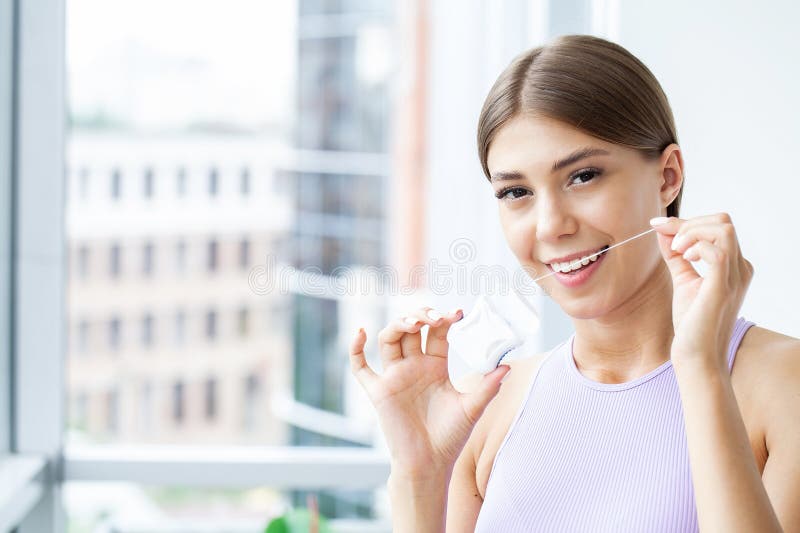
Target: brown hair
x=587, y=82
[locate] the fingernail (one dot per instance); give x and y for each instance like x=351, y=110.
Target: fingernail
x=676, y=241
x=455, y=311
x=504, y=377
x=658, y=221
x=410, y=320
x=434, y=314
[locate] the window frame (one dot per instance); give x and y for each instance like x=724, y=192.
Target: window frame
x=33, y=185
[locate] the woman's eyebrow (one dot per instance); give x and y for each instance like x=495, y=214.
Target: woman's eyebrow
x=577, y=155
x=505, y=176
x=574, y=157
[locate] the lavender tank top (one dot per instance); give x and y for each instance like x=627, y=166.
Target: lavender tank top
x=584, y=456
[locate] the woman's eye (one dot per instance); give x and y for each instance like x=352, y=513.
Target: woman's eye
x=586, y=175
x=511, y=193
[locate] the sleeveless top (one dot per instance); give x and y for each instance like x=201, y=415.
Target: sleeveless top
x=596, y=457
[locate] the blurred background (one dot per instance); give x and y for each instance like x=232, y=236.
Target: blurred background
x=225, y=164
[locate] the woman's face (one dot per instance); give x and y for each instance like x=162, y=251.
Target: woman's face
x=562, y=191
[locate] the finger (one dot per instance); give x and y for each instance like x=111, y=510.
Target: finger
x=412, y=345
x=436, y=344
x=670, y=225
x=474, y=403
x=722, y=235
x=391, y=337
x=428, y=315
x=713, y=256
x=358, y=362
x=680, y=269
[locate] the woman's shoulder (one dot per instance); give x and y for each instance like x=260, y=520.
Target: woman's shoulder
x=764, y=354
x=766, y=380
x=766, y=368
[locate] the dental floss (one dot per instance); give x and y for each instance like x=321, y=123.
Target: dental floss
x=484, y=337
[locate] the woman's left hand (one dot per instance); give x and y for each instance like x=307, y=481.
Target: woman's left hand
x=704, y=309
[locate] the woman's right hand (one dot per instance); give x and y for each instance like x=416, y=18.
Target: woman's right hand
x=425, y=420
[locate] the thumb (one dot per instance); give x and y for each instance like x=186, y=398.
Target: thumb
x=475, y=402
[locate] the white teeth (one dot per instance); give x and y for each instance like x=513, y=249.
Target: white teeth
x=574, y=264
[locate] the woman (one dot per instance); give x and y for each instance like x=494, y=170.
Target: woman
x=578, y=143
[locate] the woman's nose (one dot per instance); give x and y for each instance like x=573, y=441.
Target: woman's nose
x=552, y=219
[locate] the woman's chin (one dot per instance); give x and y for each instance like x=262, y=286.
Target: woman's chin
x=580, y=308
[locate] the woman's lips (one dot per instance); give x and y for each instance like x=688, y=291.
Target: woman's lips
x=581, y=276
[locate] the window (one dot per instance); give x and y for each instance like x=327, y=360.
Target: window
x=83, y=336
x=244, y=254
x=243, y=322
x=211, y=325
x=211, y=399
x=178, y=412
x=116, y=184
x=212, y=259
x=213, y=181
x=146, y=406
x=180, y=257
x=180, y=182
x=148, y=259
x=148, y=324
x=244, y=182
x=114, y=333
x=185, y=147
x=252, y=393
x=148, y=185
x=83, y=262
x=180, y=327
x=112, y=411
x=83, y=183
x=80, y=413
x=115, y=261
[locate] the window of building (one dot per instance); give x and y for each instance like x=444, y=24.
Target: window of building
x=83, y=183
x=180, y=257
x=80, y=414
x=116, y=184
x=148, y=259
x=83, y=336
x=115, y=333
x=211, y=399
x=243, y=322
x=148, y=184
x=180, y=327
x=252, y=393
x=244, y=254
x=112, y=411
x=83, y=262
x=213, y=181
x=115, y=261
x=148, y=326
x=244, y=182
x=180, y=182
x=212, y=256
x=211, y=324
x=146, y=406
x=178, y=407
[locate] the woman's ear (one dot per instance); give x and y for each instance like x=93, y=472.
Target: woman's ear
x=671, y=165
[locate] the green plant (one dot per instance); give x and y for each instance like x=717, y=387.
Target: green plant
x=298, y=521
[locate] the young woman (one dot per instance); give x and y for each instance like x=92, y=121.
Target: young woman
x=640, y=421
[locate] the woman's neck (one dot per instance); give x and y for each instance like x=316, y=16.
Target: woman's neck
x=631, y=340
